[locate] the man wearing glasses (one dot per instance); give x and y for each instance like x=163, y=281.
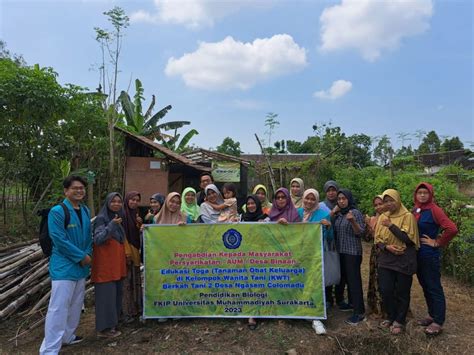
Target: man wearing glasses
x=69, y=265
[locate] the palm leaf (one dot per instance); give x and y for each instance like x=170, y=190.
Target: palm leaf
x=184, y=142
x=158, y=116
x=138, y=98
x=128, y=108
x=150, y=108
x=173, y=125
x=155, y=133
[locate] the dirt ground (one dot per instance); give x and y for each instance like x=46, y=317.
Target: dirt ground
x=273, y=336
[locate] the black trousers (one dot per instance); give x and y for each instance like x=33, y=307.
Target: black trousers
x=395, y=288
x=353, y=278
x=341, y=287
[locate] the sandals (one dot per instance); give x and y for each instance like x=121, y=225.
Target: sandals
x=252, y=324
x=425, y=321
x=433, y=329
x=396, y=328
x=386, y=323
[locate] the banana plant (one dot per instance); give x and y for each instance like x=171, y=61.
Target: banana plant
x=147, y=124
x=180, y=147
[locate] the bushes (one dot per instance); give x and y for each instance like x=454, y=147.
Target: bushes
x=366, y=183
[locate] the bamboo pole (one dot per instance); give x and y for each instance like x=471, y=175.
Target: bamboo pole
x=23, y=298
x=17, y=246
x=35, y=256
x=40, y=303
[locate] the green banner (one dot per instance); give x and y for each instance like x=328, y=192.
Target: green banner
x=234, y=270
x=226, y=171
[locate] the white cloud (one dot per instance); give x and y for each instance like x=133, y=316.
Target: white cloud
x=233, y=64
x=372, y=26
x=193, y=13
x=338, y=89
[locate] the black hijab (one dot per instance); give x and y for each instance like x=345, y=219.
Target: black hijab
x=256, y=216
x=105, y=215
x=350, y=201
x=130, y=220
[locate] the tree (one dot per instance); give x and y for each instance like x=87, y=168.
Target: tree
x=294, y=147
x=430, y=144
x=271, y=123
x=405, y=152
x=403, y=136
x=5, y=54
x=32, y=103
x=110, y=43
x=146, y=124
x=383, y=152
x=452, y=144
x=420, y=134
x=229, y=146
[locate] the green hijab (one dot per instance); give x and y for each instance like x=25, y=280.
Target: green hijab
x=191, y=210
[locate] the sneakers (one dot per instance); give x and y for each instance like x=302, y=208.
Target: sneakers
x=318, y=327
x=111, y=333
x=355, y=319
x=345, y=307
x=76, y=340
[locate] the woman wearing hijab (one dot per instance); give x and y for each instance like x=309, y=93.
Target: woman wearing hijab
x=108, y=265
x=297, y=188
x=330, y=189
x=436, y=231
x=171, y=211
x=156, y=202
x=132, y=287
x=349, y=227
x=213, y=196
x=396, y=236
x=253, y=213
x=312, y=212
x=262, y=193
x=189, y=205
x=374, y=300
x=283, y=211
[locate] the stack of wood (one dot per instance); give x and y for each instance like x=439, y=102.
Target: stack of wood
x=24, y=279
x=25, y=285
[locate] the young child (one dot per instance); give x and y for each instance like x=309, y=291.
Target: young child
x=229, y=207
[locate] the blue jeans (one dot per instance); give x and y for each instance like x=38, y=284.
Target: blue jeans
x=429, y=276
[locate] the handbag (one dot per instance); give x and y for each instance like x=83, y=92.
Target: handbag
x=332, y=266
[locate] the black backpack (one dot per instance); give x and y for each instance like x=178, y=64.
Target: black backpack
x=44, y=238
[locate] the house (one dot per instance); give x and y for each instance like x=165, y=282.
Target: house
x=150, y=168
x=224, y=168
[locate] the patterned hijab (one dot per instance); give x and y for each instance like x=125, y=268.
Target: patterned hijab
x=288, y=212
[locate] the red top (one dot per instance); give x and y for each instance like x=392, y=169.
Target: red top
x=449, y=229
x=108, y=262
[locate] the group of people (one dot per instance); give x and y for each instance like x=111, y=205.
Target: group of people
x=405, y=243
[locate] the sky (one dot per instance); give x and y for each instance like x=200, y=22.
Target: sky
x=376, y=67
